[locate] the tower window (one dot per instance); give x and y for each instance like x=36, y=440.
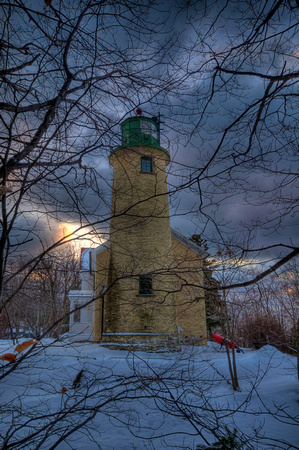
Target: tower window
x=145, y=285
x=149, y=128
x=146, y=164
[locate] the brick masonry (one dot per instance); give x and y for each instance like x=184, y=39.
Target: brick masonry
x=140, y=243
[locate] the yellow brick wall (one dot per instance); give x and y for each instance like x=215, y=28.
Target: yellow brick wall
x=190, y=301
x=101, y=279
x=140, y=242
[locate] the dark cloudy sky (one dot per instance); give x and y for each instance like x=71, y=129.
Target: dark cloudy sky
x=238, y=193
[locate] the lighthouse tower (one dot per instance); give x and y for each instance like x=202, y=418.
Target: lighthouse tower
x=146, y=284
x=141, y=298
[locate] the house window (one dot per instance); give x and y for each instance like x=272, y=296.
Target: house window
x=145, y=285
x=77, y=315
x=146, y=164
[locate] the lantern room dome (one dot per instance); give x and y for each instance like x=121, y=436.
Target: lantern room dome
x=141, y=131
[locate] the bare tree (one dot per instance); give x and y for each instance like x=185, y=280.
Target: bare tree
x=268, y=311
x=43, y=298
x=70, y=76
x=242, y=69
x=71, y=64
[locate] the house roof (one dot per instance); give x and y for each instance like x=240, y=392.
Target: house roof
x=88, y=255
x=188, y=243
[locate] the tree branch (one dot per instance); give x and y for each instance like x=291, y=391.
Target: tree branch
x=273, y=78
x=18, y=68
x=264, y=274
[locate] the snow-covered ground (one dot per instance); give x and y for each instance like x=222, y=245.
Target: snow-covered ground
x=84, y=396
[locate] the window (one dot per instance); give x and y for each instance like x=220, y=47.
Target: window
x=145, y=285
x=146, y=164
x=149, y=128
x=77, y=315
